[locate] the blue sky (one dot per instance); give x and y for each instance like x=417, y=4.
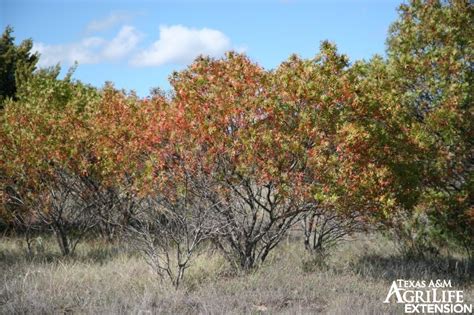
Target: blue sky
x=137, y=44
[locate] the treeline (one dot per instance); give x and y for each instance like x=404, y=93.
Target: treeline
x=236, y=155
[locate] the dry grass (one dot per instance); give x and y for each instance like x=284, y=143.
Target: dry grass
x=113, y=279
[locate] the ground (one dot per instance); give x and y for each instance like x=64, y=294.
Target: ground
x=112, y=279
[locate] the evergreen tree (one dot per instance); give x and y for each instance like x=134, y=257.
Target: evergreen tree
x=17, y=64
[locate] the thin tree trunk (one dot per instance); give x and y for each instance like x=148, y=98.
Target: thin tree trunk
x=63, y=241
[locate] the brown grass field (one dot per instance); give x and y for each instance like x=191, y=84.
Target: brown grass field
x=113, y=279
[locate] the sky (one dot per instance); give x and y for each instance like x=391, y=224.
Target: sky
x=138, y=44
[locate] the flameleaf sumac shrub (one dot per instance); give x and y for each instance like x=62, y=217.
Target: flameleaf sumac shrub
x=129, y=137
x=315, y=117
x=277, y=146
x=174, y=222
x=154, y=199
x=45, y=146
x=360, y=162
x=223, y=109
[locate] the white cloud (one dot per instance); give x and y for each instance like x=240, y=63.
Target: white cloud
x=178, y=44
x=125, y=42
x=113, y=19
x=82, y=52
x=90, y=50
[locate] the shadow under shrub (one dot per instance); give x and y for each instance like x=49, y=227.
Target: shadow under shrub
x=460, y=271
x=315, y=262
